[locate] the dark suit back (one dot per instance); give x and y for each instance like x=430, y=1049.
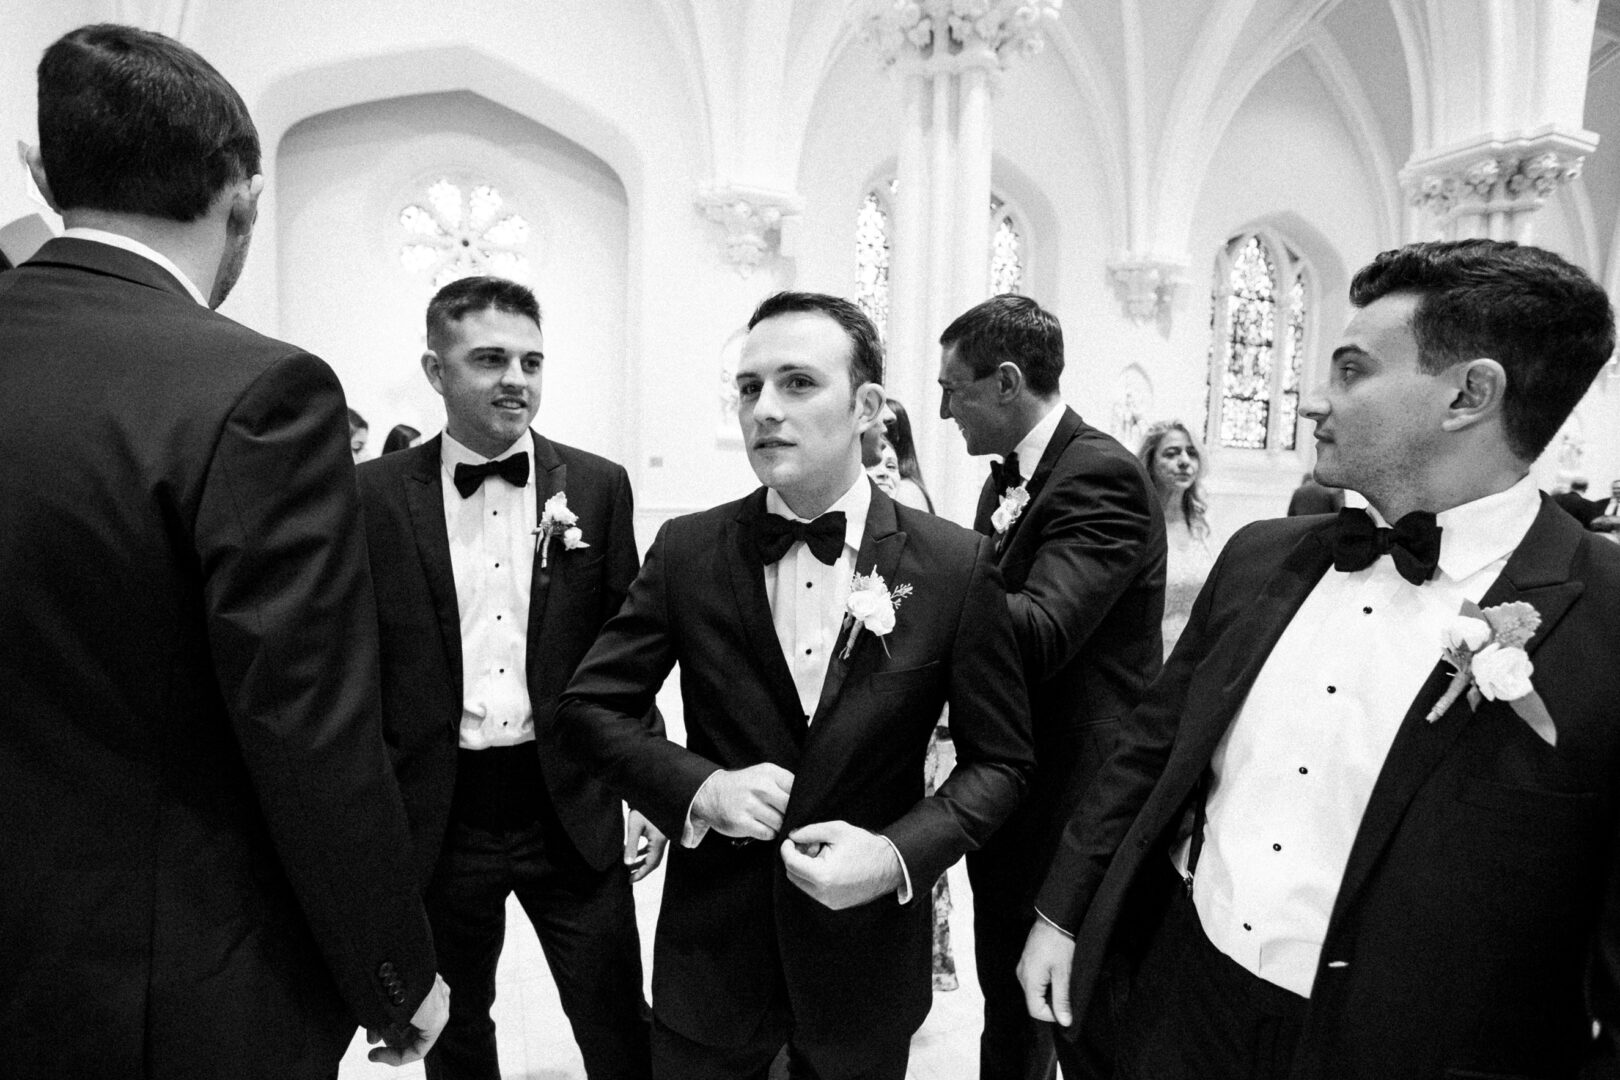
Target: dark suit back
x=735, y=938
x=570, y=598
x=1084, y=568
x=197, y=807
x=1478, y=911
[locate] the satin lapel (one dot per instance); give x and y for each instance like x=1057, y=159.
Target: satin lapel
x=1067, y=429
x=550, y=477
x=754, y=610
x=1538, y=574
x=987, y=506
x=424, y=496
x=880, y=550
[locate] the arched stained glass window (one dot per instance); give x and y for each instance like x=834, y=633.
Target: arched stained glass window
x=872, y=250
x=1257, y=347
x=456, y=231
x=1006, y=250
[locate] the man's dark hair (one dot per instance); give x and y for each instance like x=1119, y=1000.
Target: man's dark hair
x=865, y=347
x=133, y=122
x=1010, y=329
x=1547, y=323
x=470, y=295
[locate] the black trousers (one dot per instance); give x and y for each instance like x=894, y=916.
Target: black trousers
x=1190, y=1012
x=675, y=1057
x=1013, y=1045
x=586, y=922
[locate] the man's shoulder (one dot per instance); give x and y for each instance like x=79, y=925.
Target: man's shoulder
x=380, y=473
x=1092, y=452
x=583, y=460
x=935, y=532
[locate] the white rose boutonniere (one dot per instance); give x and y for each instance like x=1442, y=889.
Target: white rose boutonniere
x=557, y=520
x=871, y=605
x=1486, y=647
x=1011, y=508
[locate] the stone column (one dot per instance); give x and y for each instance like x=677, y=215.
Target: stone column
x=947, y=56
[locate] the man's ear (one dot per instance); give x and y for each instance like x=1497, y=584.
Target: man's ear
x=432, y=367
x=1479, y=390
x=869, y=402
x=244, y=208
x=1009, y=381
x=36, y=169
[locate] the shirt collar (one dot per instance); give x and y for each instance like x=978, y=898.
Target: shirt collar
x=1478, y=533
x=453, y=453
x=856, y=503
x=135, y=247
x=1032, y=447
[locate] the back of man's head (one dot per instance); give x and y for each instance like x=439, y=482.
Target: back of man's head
x=132, y=122
x=470, y=295
x=1010, y=329
x=1545, y=321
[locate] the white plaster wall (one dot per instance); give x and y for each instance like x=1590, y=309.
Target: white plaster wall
x=345, y=175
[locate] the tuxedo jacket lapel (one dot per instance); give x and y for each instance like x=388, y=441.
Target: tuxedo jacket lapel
x=754, y=610
x=424, y=496
x=1068, y=427
x=1538, y=574
x=881, y=546
x=550, y=477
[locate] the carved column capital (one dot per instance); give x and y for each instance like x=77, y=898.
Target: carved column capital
x=950, y=34
x=1146, y=286
x=1512, y=175
x=752, y=218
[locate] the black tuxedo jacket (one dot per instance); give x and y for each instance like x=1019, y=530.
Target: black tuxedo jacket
x=203, y=850
x=734, y=934
x=1580, y=507
x=1481, y=901
x=1084, y=569
x=420, y=621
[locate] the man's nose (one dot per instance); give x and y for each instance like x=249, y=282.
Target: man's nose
x=1314, y=405
x=944, y=404
x=513, y=374
x=767, y=405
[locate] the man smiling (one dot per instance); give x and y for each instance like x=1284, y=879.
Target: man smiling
x=796, y=909
x=482, y=625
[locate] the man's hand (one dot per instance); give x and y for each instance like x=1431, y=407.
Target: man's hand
x=840, y=865
x=642, y=860
x=744, y=802
x=417, y=1037
x=1045, y=965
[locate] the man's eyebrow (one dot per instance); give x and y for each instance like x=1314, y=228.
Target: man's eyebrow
x=1348, y=350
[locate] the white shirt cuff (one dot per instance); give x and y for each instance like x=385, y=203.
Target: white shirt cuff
x=693, y=832
x=903, y=894
x=1053, y=925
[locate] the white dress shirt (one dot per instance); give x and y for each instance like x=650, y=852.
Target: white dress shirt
x=1295, y=770
x=1032, y=447
x=807, y=596
x=492, y=557
x=135, y=247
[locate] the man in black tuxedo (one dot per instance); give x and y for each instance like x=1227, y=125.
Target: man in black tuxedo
x=1303, y=860
x=205, y=855
x=493, y=577
x=1079, y=537
x=805, y=725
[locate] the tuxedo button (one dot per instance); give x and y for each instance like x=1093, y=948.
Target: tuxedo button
x=1141, y=841
x=385, y=970
x=397, y=997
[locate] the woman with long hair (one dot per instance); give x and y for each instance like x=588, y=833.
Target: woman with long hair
x=1175, y=461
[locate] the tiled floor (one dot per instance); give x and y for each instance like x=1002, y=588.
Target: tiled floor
x=535, y=1043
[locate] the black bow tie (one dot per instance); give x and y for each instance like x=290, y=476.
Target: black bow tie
x=514, y=470
x=1005, y=474
x=1414, y=543
x=825, y=536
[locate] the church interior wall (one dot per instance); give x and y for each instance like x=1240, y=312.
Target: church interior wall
x=344, y=178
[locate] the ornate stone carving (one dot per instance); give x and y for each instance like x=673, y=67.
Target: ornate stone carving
x=1513, y=175
x=752, y=218
x=955, y=30
x=1146, y=287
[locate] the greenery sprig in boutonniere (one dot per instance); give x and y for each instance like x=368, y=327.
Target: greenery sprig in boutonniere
x=1486, y=646
x=871, y=605
x=557, y=520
